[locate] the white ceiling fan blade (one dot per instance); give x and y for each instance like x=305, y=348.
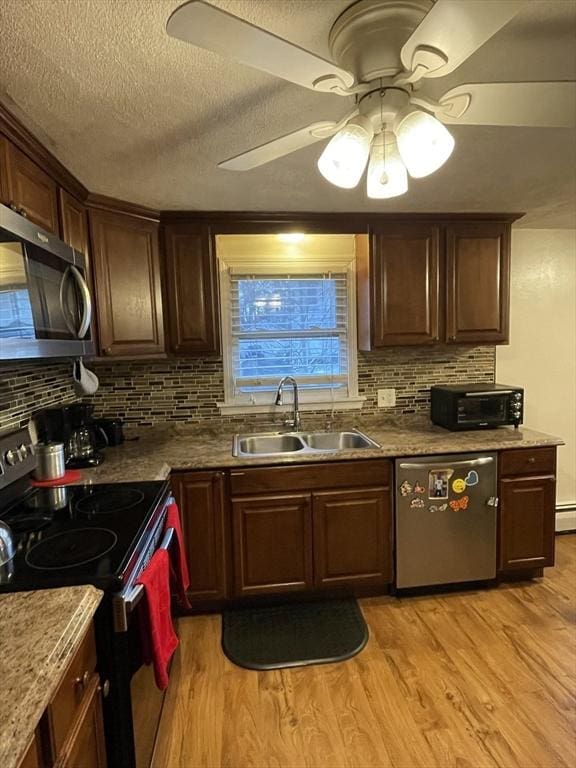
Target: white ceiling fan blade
x=542, y=105
x=451, y=32
x=208, y=27
x=284, y=145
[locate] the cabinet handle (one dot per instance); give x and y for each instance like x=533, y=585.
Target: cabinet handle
x=531, y=460
x=104, y=688
x=237, y=474
x=84, y=680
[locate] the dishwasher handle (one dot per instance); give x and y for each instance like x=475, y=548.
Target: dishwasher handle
x=482, y=461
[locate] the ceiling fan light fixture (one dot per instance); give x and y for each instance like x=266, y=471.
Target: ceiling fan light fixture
x=345, y=156
x=423, y=141
x=387, y=175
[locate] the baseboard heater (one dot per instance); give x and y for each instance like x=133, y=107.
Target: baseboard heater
x=566, y=517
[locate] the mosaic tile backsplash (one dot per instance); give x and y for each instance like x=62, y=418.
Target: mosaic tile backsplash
x=188, y=389
x=29, y=387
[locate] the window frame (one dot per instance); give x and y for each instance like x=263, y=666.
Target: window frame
x=325, y=398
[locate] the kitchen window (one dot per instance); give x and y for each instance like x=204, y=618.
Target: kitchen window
x=288, y=309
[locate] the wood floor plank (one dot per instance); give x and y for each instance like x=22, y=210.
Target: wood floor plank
x=475, y=679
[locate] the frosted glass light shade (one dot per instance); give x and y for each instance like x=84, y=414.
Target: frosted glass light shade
x=424, y=143
x=345, y=156
x=387, y=175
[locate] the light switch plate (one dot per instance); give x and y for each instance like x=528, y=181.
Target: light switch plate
x=386, y=398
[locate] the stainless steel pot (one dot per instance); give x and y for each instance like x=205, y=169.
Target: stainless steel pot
x=6, y=544
x=51, y=462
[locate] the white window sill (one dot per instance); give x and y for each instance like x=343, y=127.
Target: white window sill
x=237, y=409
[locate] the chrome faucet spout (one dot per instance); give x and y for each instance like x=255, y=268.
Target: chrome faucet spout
x=295, y=422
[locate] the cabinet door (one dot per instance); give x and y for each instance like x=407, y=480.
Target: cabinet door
x=128, y=291
x=192, y=289
x=527, y=514
x=29, y=188
x=405, y=285
x=32, y=756
x=478, y=276
x=272, y=544
x=85, y=746
x=73, y=222
x=200, y=497
x=352, y=537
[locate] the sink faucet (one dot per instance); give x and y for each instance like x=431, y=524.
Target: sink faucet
x=295, y=422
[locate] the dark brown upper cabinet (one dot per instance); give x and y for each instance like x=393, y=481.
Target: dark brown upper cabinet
x=27, y=188
x=73, y=222
x=428, y=283
x=191, y=289
x=404, y=276
x=128, y=290
x=477, y=282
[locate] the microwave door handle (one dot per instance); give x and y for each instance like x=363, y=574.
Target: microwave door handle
x=63, y=282
x=430, y=464
x=86, y=302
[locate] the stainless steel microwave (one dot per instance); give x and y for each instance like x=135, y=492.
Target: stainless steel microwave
x=476, y=406
x=45, y=304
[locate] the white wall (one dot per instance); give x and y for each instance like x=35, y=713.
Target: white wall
x=542, y=354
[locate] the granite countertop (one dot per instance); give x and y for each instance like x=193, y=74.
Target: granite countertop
x=39, y=634
x=164, y=448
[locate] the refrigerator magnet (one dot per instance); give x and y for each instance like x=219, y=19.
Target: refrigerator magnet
x=406, y=488
x=471, y=478
x=417, y=503
x=458, y=485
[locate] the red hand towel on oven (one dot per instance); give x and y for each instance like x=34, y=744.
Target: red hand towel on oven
x=180, y=578
x=159, y=641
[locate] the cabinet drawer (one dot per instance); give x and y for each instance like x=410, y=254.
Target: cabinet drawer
x=308, y=477
x=528, y=461
x=68, y=698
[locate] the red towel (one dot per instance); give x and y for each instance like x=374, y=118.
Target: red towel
x=159, y=641
x=179, y=576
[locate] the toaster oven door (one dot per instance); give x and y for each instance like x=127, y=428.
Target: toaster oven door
x=483, y=410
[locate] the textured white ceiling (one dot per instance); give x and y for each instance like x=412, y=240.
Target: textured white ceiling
x=137, y=115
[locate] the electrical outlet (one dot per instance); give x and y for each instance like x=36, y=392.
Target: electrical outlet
x=386, y=398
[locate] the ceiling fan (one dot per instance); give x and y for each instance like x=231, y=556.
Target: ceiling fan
x=385, y=49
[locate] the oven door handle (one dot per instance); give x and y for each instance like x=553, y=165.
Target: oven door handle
x=126, y=601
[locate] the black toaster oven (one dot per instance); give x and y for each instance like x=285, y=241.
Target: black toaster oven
x=476, y=406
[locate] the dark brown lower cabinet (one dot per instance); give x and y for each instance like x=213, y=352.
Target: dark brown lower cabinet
x=352, y=537
x=201, y=500
x=272, y=544
x=527, y=512
x=527, y=508
x=85, y=746
x=71, y=731
x=312, y=527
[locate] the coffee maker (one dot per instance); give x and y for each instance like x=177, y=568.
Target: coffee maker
x=74, y=426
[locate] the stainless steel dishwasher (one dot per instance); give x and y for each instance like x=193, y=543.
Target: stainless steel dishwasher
x=445, y=519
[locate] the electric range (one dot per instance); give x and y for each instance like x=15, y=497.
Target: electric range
x=104, y=535
x=85, y=534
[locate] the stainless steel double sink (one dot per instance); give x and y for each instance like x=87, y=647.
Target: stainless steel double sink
x=286, y=443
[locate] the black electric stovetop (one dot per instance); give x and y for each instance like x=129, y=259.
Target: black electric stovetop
x=83, y=534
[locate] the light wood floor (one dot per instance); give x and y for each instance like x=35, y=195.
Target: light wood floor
x=468, y=680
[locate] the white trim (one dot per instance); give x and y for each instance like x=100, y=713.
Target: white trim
x=235, y=409
x=566, y=517
x=309, y=400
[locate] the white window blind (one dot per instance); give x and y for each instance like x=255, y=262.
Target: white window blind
x=289, y=325
x=288, y=310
